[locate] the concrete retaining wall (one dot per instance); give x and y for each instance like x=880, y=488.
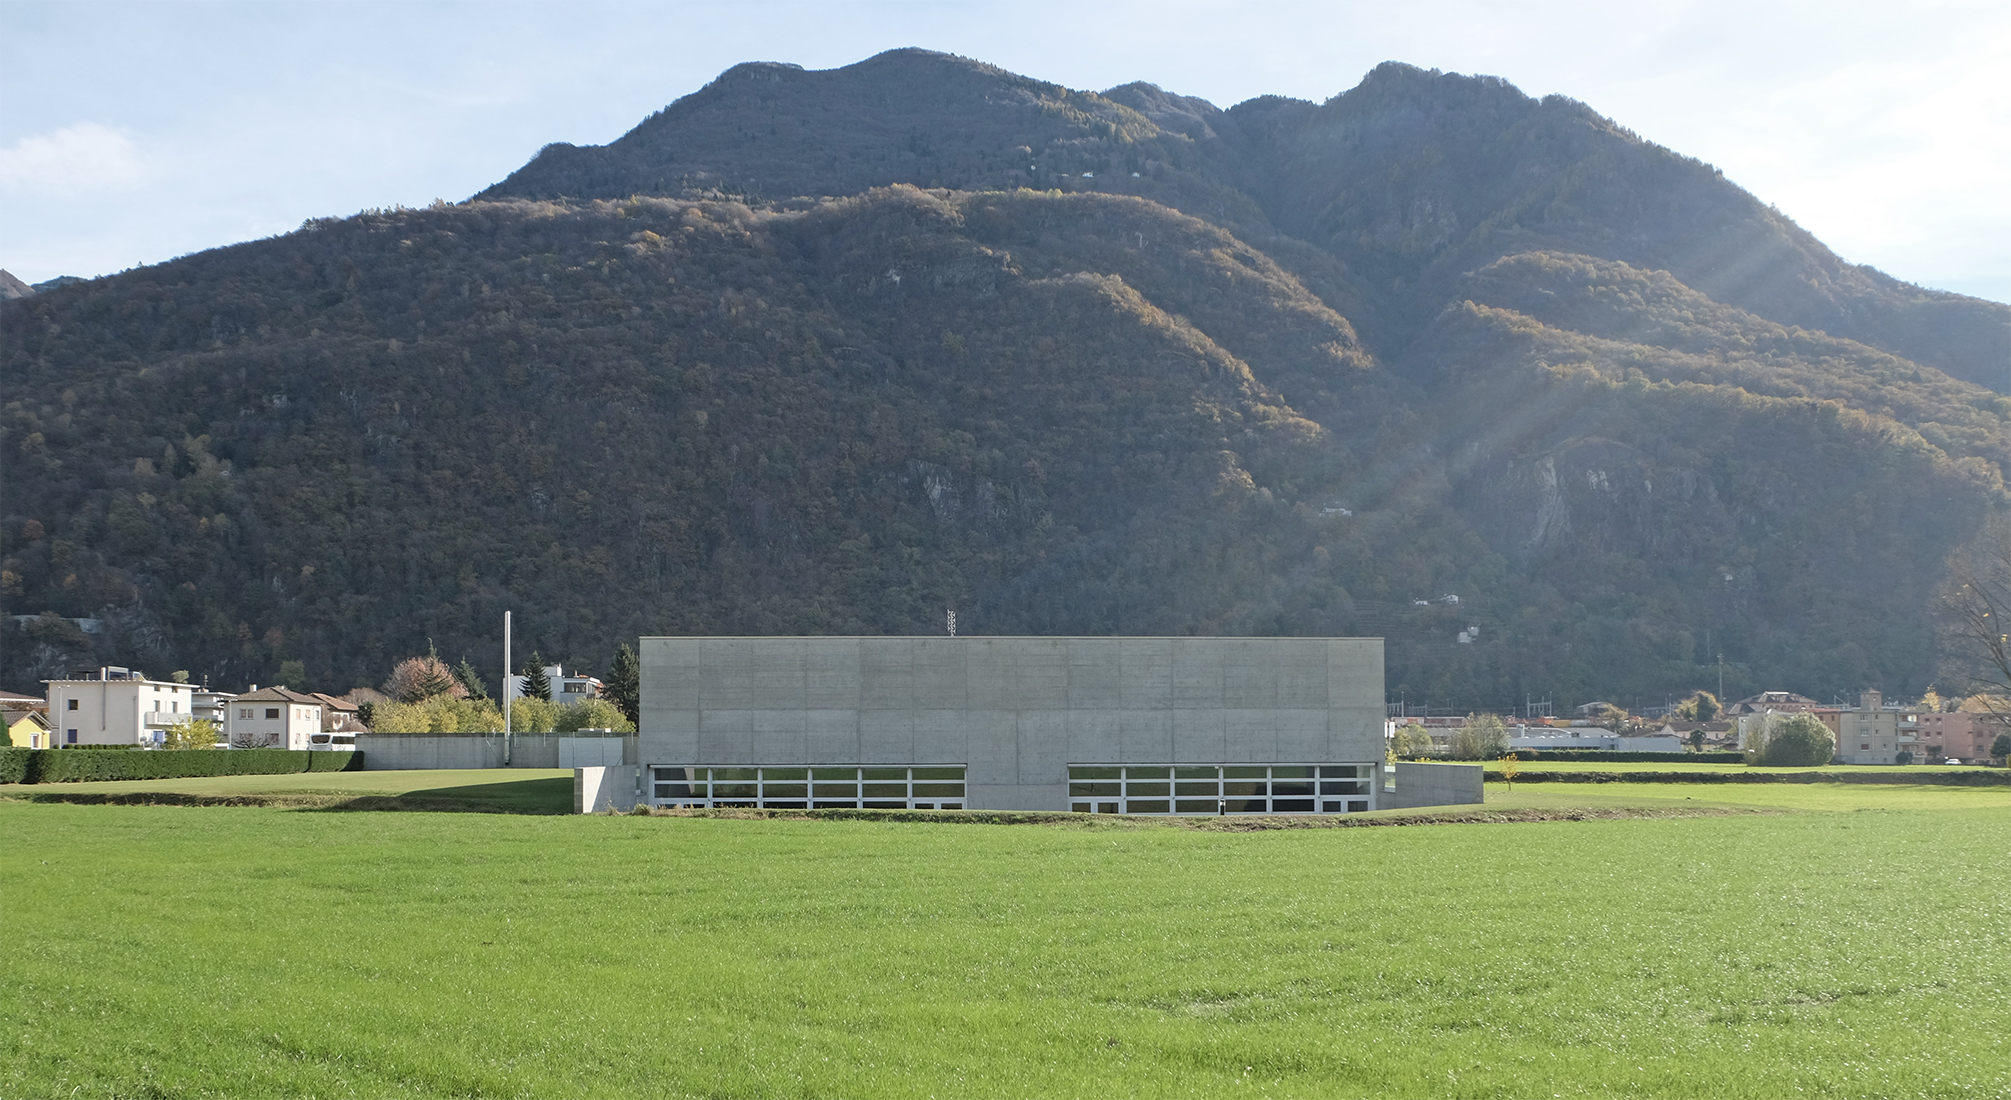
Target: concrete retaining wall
x=1430, y=784
x=600, y=789
x=408, y=751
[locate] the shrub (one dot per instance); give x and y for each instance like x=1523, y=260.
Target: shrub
x=439, y=714
x=1796, y=741
x=66, y=766
x=1481, y=737
x=18, y=765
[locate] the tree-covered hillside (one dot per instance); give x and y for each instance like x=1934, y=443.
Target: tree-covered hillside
x=1229, y=394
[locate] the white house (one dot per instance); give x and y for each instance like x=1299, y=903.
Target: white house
x=565, y=689
x=115, y=706
x=274, y=718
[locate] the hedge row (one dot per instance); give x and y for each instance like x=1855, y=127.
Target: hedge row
x=70, y=766
x=1912, y=776
x=1531, y=755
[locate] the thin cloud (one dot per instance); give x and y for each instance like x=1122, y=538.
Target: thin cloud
x=83, y=157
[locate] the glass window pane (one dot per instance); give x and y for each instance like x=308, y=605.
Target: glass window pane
x=1358, y=806
x=886, y=790
x=952, y=806
x=834, y=773
x=1197, y=773
x=785, y=804
x=834, y=790
x=1340, y=771
x=784, y=790
x=835, y=804
x=1093, y=790
x=1247, y=806
x=1331, y=807
x=1239, y=771
x=1209, y=788
x=939, y=790
x=737, y=775
x=772, y=774
x=1145, y=773
x=1291, y=789
x=896, y=775
x=1292, y=805
x=1196, y=806
x=1094, y=773
x=733, y=790
x=1159, y=806
x=887, y=804
x=1079, y=807
x=1291, y=771
x=940, y=773
x=1245, y=789
x=1140, y=790
x=1356, y=787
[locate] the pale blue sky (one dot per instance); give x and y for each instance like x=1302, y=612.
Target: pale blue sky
x=132, y=133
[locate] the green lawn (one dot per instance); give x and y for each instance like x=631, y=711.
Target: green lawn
x=1681, y=765
x=1856, y=943
x=512, y=790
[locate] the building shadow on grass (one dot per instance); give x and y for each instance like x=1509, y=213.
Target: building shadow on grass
x=520, y=796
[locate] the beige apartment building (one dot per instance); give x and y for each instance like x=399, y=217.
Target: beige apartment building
x=114, y=706
x=1961, y=735
x=1872, y=734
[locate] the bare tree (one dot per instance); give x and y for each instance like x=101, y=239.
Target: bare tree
x=1977, y=607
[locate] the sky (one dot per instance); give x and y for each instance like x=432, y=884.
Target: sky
x=131, y=133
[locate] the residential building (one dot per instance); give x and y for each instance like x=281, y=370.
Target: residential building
x=1098, y=725
x=1771, y=702
x=274, y=718
x=115, y=706
x=26, y=729
x=565, y=689
x=1961, y=735
x=340, y=724
x=1872, y=733
x=1590, y=737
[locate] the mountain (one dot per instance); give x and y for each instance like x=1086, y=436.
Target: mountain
x=834, y=352
x=11, y=287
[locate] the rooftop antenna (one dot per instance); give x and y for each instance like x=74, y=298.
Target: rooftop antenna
x=953, y=623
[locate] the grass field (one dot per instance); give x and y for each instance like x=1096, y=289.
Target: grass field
x=1856, y=941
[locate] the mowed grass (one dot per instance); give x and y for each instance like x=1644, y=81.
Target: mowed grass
x=504, y=790
x=1831, y=950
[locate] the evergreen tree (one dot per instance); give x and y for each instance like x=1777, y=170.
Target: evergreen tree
x=624, y=684
x=537, y=685
x=471, y=679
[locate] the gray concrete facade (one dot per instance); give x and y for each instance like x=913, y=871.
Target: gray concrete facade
x=1016, y=712
x=406, y=751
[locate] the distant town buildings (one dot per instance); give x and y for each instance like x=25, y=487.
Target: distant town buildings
x=114, y=706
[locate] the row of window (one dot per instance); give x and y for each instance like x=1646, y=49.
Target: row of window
x=1092, y=788
x=938, y=787
x=1220, y=788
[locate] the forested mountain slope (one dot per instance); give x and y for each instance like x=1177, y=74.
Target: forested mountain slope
x=1314, y=369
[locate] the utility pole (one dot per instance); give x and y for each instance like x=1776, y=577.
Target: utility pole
x=507, y=685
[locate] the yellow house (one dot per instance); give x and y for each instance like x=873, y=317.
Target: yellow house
x=26, y=729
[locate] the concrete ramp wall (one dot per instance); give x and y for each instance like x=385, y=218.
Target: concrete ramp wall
x=603, y=789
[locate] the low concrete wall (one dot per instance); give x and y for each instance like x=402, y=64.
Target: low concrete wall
x=601, y=789
x=409, y=751
x=1432, y=784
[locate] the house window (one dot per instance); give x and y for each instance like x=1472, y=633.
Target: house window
x=272, y=712
x=70, y=737
x=73, y=704
x=244, y=712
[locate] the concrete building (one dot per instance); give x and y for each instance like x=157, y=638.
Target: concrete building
x=274, y=718
x=114, y=706
x=1590, y=737
x=1100, y=725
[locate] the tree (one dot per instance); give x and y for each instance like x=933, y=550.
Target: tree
x=591, y=714
x=1701, y=706
x=191, y=733
x=416, y=679
x=624, y=684
x=1696, y=740
x=537, y=684
x=1793, y=741
x=437, y=714
x=2001, y=747
x=530, y=714
x=293, y=672
x=1481, y=736
x=470, y=679
x=1411, y=740
x=1976, y=606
